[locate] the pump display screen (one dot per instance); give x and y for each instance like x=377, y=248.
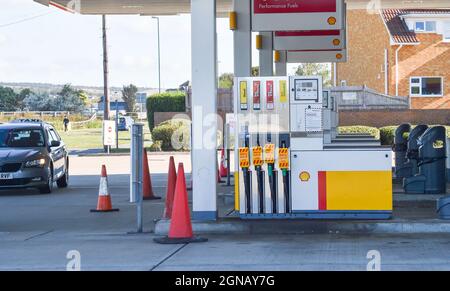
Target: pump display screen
x=306, y=90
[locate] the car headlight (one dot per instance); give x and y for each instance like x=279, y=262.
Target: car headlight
x=35, y=163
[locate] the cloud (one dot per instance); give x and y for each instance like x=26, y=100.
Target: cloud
x=3, y=39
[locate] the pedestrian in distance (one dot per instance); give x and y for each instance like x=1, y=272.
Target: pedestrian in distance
x=66, y=122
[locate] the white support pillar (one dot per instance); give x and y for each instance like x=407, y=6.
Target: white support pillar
x=281, y=65
x=266, y=55
x=242, y=39
x=204, y=119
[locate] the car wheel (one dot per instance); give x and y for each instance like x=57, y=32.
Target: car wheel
x=48, y=188
x=63, y=182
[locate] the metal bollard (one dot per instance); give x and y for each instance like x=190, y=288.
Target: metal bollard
x=137, y=171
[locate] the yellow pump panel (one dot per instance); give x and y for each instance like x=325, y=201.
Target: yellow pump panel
x=365, y=190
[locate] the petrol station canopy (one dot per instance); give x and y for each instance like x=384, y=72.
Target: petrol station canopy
x=172, y=7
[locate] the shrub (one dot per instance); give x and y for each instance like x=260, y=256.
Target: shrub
x=174, y=135
x=387, y=135
x=156, y=146
x=164, y=102
x=359, y=129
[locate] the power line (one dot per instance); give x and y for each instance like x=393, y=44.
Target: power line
x=24, y=20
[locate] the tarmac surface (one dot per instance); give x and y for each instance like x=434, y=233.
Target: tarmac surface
x=37, y=232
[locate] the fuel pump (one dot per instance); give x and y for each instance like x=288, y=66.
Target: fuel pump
x=284, y=169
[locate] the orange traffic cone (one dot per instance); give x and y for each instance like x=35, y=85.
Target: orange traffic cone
x=104, y=199
x=171, y=183
x=147, y=185
x=180, y=231
x=223, y=165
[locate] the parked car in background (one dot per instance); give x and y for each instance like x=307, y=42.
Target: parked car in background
x=32, y=155
x=125, y=123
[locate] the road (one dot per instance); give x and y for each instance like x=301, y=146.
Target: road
x=37, y=232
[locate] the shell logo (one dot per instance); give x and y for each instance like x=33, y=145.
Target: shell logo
x=332, y=20
x=304, y=176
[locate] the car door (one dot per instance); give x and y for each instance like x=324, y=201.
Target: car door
x=63, y=149
x=56, y=152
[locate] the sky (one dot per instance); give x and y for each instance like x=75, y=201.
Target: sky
x=46, y=45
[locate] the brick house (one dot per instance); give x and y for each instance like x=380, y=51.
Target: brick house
x=400, y=53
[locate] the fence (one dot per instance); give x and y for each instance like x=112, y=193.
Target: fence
x=363, y=98
x=34, y=113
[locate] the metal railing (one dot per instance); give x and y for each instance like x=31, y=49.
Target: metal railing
x=364, y=98
x=34, y=113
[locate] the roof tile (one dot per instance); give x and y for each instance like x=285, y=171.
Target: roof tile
x=397, y=27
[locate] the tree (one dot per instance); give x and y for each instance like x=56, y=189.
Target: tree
x=24, y=93
x=129, y=96
x=8, y=99
x=70, y=99
x=39, y=102
x=226, y=81
x=255, y=71
x=314, y=69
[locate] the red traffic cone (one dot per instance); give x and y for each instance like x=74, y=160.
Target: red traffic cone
x=147, y=188
x=223, y=165
x=171, y=183
x=219, y=180
x=180, y=231
x=104, y=203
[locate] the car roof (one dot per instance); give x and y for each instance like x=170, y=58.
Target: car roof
x=22, y=125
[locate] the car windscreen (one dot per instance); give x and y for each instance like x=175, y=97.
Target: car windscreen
x=21, y=138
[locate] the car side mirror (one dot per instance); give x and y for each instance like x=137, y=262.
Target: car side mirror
x=55, y=143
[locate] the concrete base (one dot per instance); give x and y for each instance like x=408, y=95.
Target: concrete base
x=237, y=226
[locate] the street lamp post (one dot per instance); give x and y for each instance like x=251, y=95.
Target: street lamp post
x=159, y=56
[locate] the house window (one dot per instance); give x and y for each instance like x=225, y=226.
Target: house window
x=425, y=26
x=447, y=31
x=426, y=86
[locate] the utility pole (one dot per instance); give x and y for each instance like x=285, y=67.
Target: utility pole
x=159, y=56
x=106, y=107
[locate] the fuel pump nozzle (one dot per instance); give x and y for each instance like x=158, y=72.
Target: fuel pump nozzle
x=260, y=180
x=272, y=174
x=246, y=173
x=286, y=188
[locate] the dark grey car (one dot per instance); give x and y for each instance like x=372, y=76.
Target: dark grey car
x=32, y=155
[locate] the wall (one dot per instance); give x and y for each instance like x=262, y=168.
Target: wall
x=431, y=58
x=379, y=118
x=366, y=42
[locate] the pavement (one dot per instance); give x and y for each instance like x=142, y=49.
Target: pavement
x=38, y=232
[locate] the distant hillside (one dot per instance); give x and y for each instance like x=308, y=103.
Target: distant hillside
x=92, y=91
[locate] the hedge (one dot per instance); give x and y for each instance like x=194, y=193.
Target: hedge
x=172, y=135
x=165, y=102
x=360, y=129
x=385, y=134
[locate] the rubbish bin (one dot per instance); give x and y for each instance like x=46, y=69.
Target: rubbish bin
x=443, y=207
x=432, y=169
x=412, y=153
x=448, y=159
x=400, y=147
